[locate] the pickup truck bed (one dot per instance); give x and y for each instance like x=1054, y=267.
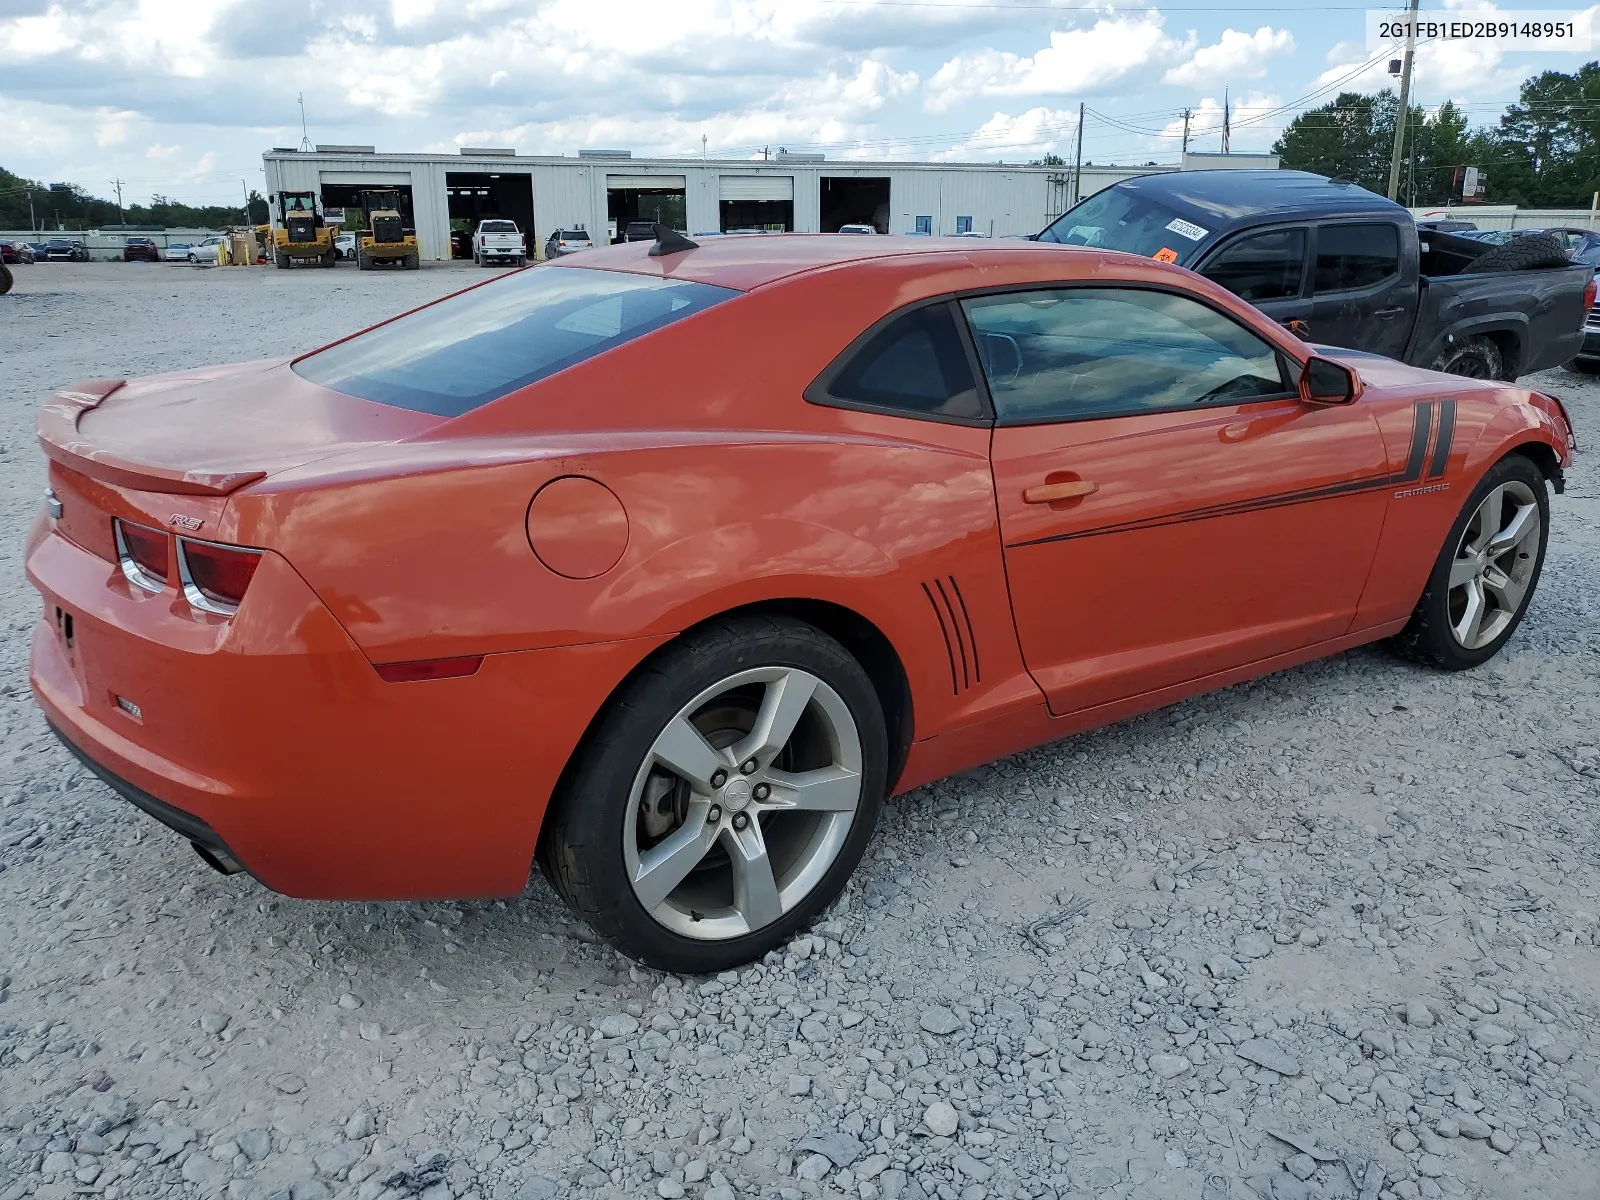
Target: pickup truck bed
x=1343, y=267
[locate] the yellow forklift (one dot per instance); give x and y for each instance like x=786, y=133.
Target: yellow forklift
x=302, y=233
x=386, y=240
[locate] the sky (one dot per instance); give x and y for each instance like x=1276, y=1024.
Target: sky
x=181, y=99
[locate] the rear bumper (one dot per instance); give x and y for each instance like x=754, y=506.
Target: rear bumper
x=186, y=825
x=271, y=737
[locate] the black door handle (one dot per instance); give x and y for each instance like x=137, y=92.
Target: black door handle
x=1383, y=314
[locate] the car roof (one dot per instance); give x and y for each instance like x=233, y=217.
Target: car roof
x=744, y=263
x=1230, y=199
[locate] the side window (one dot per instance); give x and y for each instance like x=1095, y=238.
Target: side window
x=1355, y=256
x=1076, y=353
x=1261, y=266
x=914, y=364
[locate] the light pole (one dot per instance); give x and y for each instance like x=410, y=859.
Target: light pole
x=1405, y=101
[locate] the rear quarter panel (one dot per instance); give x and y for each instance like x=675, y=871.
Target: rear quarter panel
x=1537, y=315
x=736, y=490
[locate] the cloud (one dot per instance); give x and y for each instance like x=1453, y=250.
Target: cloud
x=1031, y=134
x=1076, y=60
x=1235, y=56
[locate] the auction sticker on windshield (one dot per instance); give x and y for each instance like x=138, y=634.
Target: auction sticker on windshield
x=1166, y=254
x=1186, y=229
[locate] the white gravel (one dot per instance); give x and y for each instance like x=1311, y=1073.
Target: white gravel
x=1328, y=934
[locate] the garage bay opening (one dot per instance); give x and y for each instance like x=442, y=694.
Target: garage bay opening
x=475, y=195
x=642, y=200
x=757, y=202
x=854, y=200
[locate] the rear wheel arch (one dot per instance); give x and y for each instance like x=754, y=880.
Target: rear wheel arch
x=861, y=637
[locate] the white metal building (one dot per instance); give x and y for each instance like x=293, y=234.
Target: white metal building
x=601, y=191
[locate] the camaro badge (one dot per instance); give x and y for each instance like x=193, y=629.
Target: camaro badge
x=1422, y=491
x=183, y=522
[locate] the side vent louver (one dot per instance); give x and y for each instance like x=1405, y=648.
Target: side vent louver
x=950, y=610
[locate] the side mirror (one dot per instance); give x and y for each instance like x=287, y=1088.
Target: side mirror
x=1327, y=382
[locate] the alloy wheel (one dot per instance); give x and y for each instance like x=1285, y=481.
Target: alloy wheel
x=743, y=802
x=1493, y=565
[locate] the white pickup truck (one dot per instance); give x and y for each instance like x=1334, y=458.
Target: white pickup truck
x=498, y=241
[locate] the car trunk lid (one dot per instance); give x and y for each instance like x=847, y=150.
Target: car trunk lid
x=212, y=431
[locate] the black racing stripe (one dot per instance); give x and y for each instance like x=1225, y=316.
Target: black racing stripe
x=1234, y=508
x=1447, y=431
x=961, y=642
x=1421, y=426
x=955, y=685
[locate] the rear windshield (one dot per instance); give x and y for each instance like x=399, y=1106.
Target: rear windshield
x=461, y=353
x=1121, y=219
x=498, y=227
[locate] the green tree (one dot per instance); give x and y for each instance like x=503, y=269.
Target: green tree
x=1348, y=136
x=1547, y=150
x=69, y=206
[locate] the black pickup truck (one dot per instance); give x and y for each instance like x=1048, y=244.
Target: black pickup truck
x=1344, y=267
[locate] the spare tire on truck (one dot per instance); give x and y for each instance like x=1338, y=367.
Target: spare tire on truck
x=1531, y=252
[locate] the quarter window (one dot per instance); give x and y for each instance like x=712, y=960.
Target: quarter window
x=1262, y=266
x=914, y=364
x=1355, y=256
x=466, y=350
x=1076, y=353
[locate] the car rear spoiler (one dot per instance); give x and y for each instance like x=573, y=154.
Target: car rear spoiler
x=59, y=438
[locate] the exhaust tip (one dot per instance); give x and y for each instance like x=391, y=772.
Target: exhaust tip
x=218, y=859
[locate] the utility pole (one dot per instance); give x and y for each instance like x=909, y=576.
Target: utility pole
x=243, y=187
x=1405, y=101
x=1227, y=122
x=1077, y=160
x=32, y=223
x=117, y=183
x=1187, y=113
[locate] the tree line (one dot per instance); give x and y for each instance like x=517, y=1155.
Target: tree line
x=71, y=207
x=1544, y=152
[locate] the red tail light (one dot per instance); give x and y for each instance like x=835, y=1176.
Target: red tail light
x=430, y=668
x=1588, y=294
x=215, y=576
x=144, y=555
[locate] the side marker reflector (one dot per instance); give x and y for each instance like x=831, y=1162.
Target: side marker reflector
x=430, y=668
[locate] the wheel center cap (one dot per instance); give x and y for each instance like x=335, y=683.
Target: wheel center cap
x=736, y=795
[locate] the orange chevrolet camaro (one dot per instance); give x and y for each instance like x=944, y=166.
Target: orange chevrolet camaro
x=664, y=564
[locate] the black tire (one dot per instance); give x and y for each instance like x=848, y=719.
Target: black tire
x=1428, y=639
x=5, y=279
x=1473, y=358
x=1531, y=252
x=1584, y=366
x=581, y=844
x=282, y=260
x=363, y=261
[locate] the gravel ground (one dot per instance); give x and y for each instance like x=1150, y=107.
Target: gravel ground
x=1329, y=934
